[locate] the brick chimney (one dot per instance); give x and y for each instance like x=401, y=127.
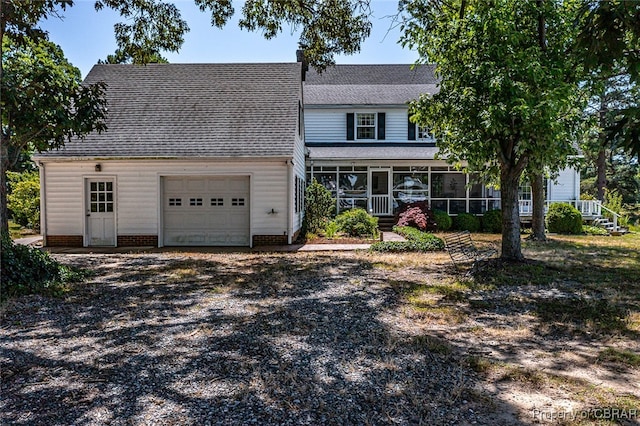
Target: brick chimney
x=305, y=65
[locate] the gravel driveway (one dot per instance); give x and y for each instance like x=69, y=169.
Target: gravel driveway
x=168, y=338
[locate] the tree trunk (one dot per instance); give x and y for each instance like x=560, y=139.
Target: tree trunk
x=4, y=154
x=601, y=167
x=4, y=166
x=511, y=245
x=601, y=162
x=537, y=220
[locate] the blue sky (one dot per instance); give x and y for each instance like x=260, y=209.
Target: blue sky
x=86, y=36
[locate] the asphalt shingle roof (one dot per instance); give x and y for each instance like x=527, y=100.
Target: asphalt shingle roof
x=372, y=153
x=393, y=84
x=195, y=110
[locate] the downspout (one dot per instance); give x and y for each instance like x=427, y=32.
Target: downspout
x=43, y=204
x=289, y=202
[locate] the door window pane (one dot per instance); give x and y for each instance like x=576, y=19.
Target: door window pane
x=101, y=197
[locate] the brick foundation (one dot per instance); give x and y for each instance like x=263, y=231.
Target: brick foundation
x=137, y=240
x=65, y=241
x=269, y=240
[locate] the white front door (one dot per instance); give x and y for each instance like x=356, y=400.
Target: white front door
x=100, y=213
x=380, y=199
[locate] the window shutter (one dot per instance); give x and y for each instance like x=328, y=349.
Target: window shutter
x=411, y=134
x=381, y=125
x=350, y=126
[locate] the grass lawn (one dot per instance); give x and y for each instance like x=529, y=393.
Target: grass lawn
x=561, y=331
x=552, y=340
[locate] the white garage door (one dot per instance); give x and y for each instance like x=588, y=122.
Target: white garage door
x=206, y=211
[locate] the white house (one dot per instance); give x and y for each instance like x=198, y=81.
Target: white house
x=219, y=154
x=195, y=154
x=362, y=146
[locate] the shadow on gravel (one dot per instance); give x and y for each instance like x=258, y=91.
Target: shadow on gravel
x=228, y=339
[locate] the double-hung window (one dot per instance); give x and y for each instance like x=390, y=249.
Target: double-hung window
x=366, y=125
x=419, y=133
x=424, y=133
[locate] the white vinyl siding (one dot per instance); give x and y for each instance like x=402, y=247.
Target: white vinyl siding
x=566, y=187
x=299, y=170
x=329, y=125
x=138, y=192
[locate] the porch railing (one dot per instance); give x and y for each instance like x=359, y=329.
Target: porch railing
x=382, y=205
x=590, y=208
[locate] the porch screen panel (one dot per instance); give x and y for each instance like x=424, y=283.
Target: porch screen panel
x=478, y=195
x=328, y=180
x=448, y=192
x=353, y=190
x=448, y=185
x=410, y=186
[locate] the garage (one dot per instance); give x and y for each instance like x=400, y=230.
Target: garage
x=206, y=210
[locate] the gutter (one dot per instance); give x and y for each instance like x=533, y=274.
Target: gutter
x=62, y=159
x=43, y=204
x=289, y=202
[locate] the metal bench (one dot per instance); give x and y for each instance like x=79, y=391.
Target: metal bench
x=462, y=250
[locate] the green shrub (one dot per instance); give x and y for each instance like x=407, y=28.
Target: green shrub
x=632, y=213
x=358, y=223
x=24, y=199
x=613, y=201
x=564, y=219
x=416, y=241
x=406, y=246
x=27, y=270
x=492, y=221
x=466, y=222
x=443, y=220
x=319, y=207
x=594, y=230
x=331, y=229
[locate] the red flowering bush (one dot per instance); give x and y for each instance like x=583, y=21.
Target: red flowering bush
x=417, y=215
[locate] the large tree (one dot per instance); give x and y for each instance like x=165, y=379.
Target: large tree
x=609, y=46
x=611, y=93
x=504, y=100
x=42, y=101
x=46, y=105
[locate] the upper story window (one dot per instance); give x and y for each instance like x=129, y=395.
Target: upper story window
x=419, y=133
x=366, y=125
x=424, y=133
